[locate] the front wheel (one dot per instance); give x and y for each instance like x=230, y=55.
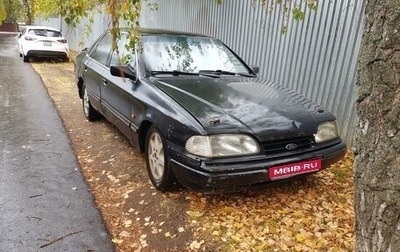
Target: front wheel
x=90, y=113
x=158, y=169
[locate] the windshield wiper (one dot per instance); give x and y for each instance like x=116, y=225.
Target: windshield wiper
x=174, y=73
x=223, y=72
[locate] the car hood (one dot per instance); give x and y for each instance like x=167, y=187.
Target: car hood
x=248, y=105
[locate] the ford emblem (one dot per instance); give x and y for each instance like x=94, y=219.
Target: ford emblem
x=291, y=146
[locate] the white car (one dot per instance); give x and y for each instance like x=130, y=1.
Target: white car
x=41, y=41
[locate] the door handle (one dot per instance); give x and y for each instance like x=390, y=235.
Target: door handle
x=104, y=81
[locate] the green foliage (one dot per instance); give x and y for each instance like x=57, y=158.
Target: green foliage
x=10, y=10
x=298, y=14
x=153, y=6
x=3, y=12
x=289, y=6
x=126, y=13
x=46, y=8
x=3, y=15
x=284, y=30
x=312, y=5
x=71, y=10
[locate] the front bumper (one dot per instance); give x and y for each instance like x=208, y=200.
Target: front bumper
x=218, y=178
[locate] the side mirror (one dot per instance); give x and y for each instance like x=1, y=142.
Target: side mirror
x=256, y=69
x=123, y=71
x=19, y=35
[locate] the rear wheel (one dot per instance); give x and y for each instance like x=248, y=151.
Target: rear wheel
x=158, y=168
x=90, y=113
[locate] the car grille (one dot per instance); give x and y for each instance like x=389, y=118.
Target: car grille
x=281, y=146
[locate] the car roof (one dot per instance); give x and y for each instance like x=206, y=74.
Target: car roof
x=151, y=31
x=41, y=27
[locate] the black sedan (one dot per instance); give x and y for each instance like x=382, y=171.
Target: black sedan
x=201, y=115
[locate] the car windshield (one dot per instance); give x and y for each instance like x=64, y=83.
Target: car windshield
x=45, y=33
x=190, y=54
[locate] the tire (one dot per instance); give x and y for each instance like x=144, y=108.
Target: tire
x=90, y=113
x=160, y=173
x=25, y=58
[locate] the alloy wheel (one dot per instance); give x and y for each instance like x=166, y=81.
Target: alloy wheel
x=156, y=156
x=86, y=103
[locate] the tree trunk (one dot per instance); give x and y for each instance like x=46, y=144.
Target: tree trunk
x=29, y=12
x=377, y=142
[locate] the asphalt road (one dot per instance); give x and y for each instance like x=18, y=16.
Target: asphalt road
x=45, y=204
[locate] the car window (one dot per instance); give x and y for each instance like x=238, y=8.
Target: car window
x=102, y=50
x=123, y=56
x=45, y=33
x=188, y=54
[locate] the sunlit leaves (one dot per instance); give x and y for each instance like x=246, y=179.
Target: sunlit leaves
x=3, y=15
x=124, y=13
x=311, y=215
x=312, y=5
x=71, y=10
x=284, y=30
x=3, y=12
x=296, y=9
x=298, y=14
x=46, y=8
x=74, y=10
x=10, y=10
x=153, y=6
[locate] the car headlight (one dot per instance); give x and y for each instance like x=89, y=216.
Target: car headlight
x=222, y=145
x=326, y=131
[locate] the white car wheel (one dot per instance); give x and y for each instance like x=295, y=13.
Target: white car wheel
x=160, y=174
x=90, y=113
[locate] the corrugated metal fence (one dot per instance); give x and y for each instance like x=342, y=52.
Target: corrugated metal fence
x=317, y=57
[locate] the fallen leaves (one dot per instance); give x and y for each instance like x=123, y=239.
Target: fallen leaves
x=312, y=214
x=195, y=245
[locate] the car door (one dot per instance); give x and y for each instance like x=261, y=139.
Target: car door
x=94, y=67
x=118, y=93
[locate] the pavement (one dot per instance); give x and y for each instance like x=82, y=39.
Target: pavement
x=45, y=204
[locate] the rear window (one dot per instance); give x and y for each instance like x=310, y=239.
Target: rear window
x=45, y=33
